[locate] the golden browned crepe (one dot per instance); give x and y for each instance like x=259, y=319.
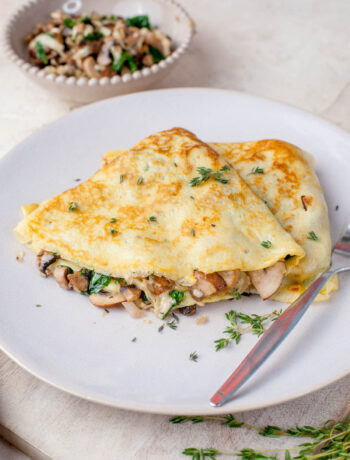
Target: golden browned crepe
x=282, y=175
x=171, y=208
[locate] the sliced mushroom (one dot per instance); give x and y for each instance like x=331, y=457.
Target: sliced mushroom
x=133, y=310
x=89, y=67
x=44, y=259
x=268, y=280
x=103, y=57
x=214, y=278
x=60, y=274
x=147, y=60
x=106, y=300
x=230, y=277
x=131, y=293
x=79, y=281
x=206, y=285
x=188, y=311
x=160, y=284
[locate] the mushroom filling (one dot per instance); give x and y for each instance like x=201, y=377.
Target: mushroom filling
x=158, y=292
x=96, y=46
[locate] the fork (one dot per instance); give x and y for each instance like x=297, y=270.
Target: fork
x=279, y=330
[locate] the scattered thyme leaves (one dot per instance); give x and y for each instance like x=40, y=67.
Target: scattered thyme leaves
x=193, y=356
x=240, y=323
x=206, y=173
x=73, y=205
x=332, y=440
x=237, y=295
x=312, y=236
x=257, y=170
x=266, y=244
x=218, y=176
x=113, y=231
x=152, y=219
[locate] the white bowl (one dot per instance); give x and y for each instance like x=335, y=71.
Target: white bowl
x=167, y=14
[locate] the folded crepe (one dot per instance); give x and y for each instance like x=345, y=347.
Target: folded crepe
x=282, y=175
x=167, y=224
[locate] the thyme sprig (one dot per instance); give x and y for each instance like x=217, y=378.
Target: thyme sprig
x=206, y=173
x=331, y=441
x=235, y=329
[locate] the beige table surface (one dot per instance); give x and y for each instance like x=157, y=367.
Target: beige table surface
x=295, y=51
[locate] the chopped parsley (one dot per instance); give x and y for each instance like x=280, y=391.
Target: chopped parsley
x=139, y=180
x=156, y=54
x=113, y=231
x=193, y=233
x=177, y=296
x=266, y=244
x=257, y=170
x=152, y=219
x=92, y=37
x=237, y=295
x=98, y=282
x=70, y=271
x=139, y=21
x=40, y=52
x=193, y=356
x=86, y=20
x=121, y=178
x=69, y=22
x=124, y=58
x=313, y=236
x=73, y=206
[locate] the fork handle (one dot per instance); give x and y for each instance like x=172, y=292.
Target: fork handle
x=270, y=340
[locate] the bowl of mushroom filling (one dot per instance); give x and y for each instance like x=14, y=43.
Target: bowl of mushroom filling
x=84, y=55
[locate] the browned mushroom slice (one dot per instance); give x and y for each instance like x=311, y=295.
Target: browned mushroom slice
x=131, y=293
x=206, y=285
x=133, y=310
x=188, y=311
x=230, y=277
x=79, y=281
x=44, y=259
x=268, y=280
x=89, y=67
x=60, y=274
x=106, y=300
x=161, y=284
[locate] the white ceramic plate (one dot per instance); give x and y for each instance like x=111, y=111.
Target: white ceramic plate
x=74, y=346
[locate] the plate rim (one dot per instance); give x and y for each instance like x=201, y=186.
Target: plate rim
x=156, y=408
